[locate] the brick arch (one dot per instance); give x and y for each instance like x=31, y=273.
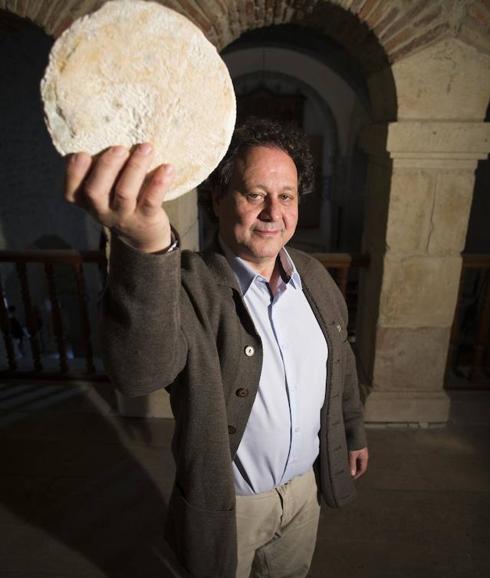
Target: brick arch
x=401, y=27
x=375, y=33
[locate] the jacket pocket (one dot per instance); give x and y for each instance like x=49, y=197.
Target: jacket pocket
x=203, y=540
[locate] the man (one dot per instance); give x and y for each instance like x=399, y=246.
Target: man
x=251, y=341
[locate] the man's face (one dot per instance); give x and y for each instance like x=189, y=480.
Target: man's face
x=258, y=214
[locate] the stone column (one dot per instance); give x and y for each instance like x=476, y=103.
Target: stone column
x=420, y=184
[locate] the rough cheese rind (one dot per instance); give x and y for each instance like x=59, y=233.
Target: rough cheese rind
x=136, y=71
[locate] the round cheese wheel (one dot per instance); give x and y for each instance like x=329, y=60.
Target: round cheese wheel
x=136, y=71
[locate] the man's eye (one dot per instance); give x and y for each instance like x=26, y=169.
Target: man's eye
x=254, y=196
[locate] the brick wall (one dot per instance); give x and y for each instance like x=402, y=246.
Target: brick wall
x=396, y=28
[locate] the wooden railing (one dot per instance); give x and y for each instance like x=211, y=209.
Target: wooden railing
x=49, y=260
x=469, y=351
x=341, y=265
x=344, y=268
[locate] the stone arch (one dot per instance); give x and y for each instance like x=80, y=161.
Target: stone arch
x=423, y=149
x=376, y=33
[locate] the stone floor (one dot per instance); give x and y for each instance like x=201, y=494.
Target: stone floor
x=83, y=493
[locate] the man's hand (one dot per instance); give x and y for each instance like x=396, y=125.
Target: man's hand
x=358, y=462
x=117, y=190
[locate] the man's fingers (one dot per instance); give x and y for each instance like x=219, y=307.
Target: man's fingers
x=131, y=179
x=361, y=467
x=99, y=183
x=155, y=189
x=358, y=462
x=77, y=167
x=353, y=463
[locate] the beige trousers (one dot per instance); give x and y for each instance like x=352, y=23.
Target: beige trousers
x=276, y=530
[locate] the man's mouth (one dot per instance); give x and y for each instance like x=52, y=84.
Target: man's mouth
x=267, y=232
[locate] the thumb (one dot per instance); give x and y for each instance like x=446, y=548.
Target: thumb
x=157, y=184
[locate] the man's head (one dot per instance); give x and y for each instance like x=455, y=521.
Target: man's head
x=256, y=190
x=264, y=132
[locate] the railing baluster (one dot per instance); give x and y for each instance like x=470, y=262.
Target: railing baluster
x=56, y=317
x=454, y=336
x=342, y=278
x=481, y=344
x=29, y=315
x=7, y=333
x=84, y=318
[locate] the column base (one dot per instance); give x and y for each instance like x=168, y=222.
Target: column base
x=156, y=404
x=407, y=407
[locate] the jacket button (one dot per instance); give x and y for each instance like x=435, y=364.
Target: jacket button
x=242, y=392
x=249, y=351
x=231, y=429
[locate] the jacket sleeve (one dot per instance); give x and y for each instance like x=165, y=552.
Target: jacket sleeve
x=352, y=408
x=143, y=347
x=351, y=404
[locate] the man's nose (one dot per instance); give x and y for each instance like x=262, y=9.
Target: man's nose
x=271, y=210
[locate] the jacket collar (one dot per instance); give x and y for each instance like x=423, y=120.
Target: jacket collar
x=216, y=260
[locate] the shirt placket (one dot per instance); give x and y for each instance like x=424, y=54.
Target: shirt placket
x=284, y=344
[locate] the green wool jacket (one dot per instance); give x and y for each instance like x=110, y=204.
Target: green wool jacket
x=178, y=321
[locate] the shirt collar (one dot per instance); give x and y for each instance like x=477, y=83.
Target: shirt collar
x=246, y=275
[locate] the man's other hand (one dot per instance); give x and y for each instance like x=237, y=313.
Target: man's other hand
x=358, y=462
x=118, y=191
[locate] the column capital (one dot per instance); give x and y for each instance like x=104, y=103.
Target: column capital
x=428, y=144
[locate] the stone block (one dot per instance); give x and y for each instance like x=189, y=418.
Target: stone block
x=156, y=404
x=451, y=213
x=429, y=140
x=376, y=209
x=419, y=291
x=406, y=407
x=448, y=80
x=190, y=238
x=182, y=213
x=409, y=218
x=410, y=359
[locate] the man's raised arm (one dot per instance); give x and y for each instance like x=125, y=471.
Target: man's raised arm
x=142, y=344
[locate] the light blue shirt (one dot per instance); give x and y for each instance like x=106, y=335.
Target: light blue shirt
x=281, y=438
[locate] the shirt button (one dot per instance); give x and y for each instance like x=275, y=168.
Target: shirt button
x=249, y=351
x=242, y=392
x=231, y=429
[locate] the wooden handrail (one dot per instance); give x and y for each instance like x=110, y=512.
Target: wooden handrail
x=52, y=256
x=342, y=260
x=476, y=260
